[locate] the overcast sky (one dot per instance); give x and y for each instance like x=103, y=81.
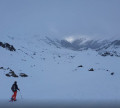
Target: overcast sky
x=60, y=18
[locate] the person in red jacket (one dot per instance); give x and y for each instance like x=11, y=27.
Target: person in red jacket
x=14, y=88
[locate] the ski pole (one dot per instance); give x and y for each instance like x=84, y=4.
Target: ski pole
x=21, y=95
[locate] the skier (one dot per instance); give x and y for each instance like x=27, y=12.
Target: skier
x=14, y=88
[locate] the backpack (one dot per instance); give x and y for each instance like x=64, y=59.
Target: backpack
x=13, y=88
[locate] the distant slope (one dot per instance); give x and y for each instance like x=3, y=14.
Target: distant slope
x=103, y=47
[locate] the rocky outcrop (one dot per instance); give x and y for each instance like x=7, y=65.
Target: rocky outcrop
x=7, y=46
x=10, y=73
x=80, y=66
x=91, y=69
x=112, y=73
x=23, y=75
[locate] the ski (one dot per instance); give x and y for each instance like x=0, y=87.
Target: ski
x=10, y=100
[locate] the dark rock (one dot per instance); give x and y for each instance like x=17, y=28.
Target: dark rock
x=103, y=55
x=80, y=66
x=11, y=70
x=1, y=68
x=8, y=75
x=12, y=73
x=7, y=46
x=12, y=48
x=109, y=53
x=1, y=43
x=91, y=69
x=23, y=75
x=106, y=53
x=112, y=73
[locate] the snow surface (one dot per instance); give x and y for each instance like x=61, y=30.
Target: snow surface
x=53, y=73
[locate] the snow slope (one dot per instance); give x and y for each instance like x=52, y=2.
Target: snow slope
x=108, y=47
x=54, y=75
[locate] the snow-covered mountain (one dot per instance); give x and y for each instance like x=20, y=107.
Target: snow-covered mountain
x=47, y=71
x=103, y=47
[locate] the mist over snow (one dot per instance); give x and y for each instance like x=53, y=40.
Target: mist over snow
x=76, y=37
